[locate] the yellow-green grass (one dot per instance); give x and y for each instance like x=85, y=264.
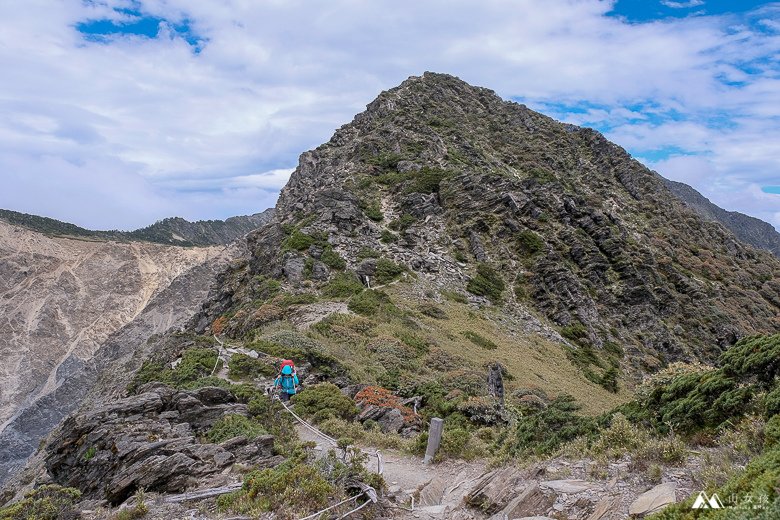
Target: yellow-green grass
x=533, y=361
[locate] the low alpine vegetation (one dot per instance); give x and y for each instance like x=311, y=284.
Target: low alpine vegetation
x=487, y=283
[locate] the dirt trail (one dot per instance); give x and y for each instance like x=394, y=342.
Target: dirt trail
x=415, y=490
x=437, y=489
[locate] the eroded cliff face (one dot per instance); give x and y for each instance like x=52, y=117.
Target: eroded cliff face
x=62, y=299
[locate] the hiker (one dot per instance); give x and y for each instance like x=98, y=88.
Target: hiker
x=287, y=380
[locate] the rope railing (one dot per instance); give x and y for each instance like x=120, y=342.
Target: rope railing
x=334, y=506
x=368, y=490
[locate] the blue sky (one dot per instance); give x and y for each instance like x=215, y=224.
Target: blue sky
x=121, y=112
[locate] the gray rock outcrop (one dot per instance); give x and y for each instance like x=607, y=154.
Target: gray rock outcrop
x=150, y=441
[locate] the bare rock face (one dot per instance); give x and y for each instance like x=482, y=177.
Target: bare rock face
x=150, y=441
x=64, y=299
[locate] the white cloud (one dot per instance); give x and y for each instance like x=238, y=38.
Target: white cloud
x=682, y=5
x=186, y=133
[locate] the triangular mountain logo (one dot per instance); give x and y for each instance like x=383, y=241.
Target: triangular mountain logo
x=704, y=502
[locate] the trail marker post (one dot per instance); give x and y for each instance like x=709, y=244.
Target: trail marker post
x=434, y=439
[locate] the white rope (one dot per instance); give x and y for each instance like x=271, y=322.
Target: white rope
x=367, y=502
x=334, y=506
x=219, y=351
x=309, y=426
x=380, y=465
x=376, y=453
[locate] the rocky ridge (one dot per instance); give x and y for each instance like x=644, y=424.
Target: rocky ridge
x=440, y=177
x=749, y=229
x=535, y=229
x=172, y=230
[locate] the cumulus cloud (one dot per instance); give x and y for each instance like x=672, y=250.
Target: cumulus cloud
x=185, y=121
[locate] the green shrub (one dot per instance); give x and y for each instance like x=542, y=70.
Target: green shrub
x=324, y=400
x=385, y=160
x=288, y=344
x=487, y=283
x=427, y=180
x=387, y=237
x=242, y=366
x=264, y=288
x=392, y=178
x=454, y=296
x=699, y=400
x=387, y=271
x=48, y=502
x=90, y=453
x=460, y=256
x=575, y=331
x=195, y=364
x=420, y=345
x=308, y=267
x=373, y=211
x=545, y=431
x=271, y=415
x=297, y=241
x=742, y=492
x=478, y=340
x=459, y=443
x=609, y=380
x=367, y=302
x=291, y=490
x=234, y=426
x=332, y=259
x=402, y=223
x=285, y=301
x=757, y=356
x=367, y=252
x=343, y=285
x=772, y=431
x=529, y=243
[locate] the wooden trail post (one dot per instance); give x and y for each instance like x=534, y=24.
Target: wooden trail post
x=434, y=439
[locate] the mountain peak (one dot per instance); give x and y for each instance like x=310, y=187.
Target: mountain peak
x=443, y=177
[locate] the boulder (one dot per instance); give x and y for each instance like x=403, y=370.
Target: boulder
x=529, y=501
x=420, y=205
x=390, y=420
x=653, y=500
x=477, y=249
x=319, y=271
x=495, y=490
x=366, y=268
x=293, y=269
x=495, y=381
x=603, y=507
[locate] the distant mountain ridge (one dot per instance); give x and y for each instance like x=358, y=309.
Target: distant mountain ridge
x=172, y=230
x=749, y=229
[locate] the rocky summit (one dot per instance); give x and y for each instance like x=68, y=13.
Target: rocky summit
x=595, y=347
x=445, y=179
